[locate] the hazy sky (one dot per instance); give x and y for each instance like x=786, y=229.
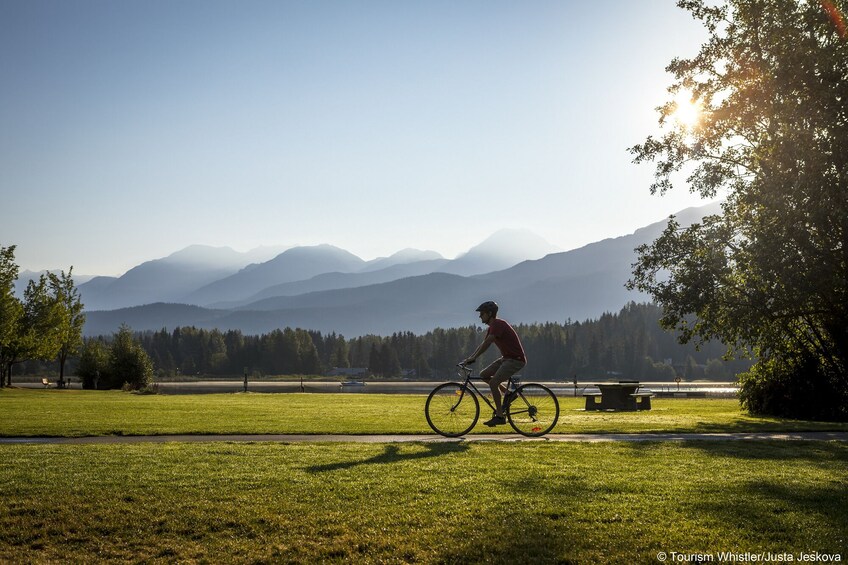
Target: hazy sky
x=131, y=129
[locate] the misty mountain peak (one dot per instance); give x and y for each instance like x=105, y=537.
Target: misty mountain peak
x=517, y=243
x=411, y=254
x=402, y=257
x=501, y=250
x=206, y=255
x=321, y=251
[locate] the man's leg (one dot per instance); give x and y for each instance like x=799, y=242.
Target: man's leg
x=507, y=368
x=487, y=373
x=489, y=376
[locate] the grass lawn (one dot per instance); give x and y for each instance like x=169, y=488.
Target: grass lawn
x=472, y=502
x=33, y=412
x=466, y=502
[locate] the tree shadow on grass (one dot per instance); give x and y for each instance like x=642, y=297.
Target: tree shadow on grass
x=392, y=454
x=584, y=514
x=817, y=453
x=768, y=424
x=533, y=525
x=821, y=454
x=805, y=515
x=518, y=539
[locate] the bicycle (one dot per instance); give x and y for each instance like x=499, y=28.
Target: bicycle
x=452, y=408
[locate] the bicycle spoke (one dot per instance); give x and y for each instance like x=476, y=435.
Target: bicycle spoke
x=534, y=411
x=452, y=410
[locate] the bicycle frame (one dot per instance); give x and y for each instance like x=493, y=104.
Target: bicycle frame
x=468, y=383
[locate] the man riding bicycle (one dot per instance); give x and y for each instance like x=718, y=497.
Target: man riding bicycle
x=511, y=361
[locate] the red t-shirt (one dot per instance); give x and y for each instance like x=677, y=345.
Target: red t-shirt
x=507, y=340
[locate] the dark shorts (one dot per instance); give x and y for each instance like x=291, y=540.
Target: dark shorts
x=501, y=370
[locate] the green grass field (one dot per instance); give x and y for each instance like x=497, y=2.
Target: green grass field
x=464, y=502
x=458, y=502
x=32, y=412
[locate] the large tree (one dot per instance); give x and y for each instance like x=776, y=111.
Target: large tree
x=47, y=323
x=70, y=318
x=769, y=274
x=35, y=334
x=11, y=310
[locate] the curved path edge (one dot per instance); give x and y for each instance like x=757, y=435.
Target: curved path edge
x=398, y=438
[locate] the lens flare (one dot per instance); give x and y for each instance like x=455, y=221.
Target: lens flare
x=687, y=112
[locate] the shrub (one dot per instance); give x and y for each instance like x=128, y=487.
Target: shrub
x=93, y=364
x=129, y=364
x=123, y=364
x=794, y=386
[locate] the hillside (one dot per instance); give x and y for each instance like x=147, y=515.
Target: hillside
x=577, y=284
x=169, y=279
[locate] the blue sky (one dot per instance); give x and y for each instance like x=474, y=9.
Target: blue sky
x=129, y=130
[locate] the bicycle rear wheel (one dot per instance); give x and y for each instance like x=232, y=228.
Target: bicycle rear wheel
x=533, y=411
x=452, y=409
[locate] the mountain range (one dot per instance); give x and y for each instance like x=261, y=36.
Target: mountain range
x=329, y=289
x=222, y=278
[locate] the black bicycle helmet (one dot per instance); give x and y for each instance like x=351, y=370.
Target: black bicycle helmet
x=488, y=306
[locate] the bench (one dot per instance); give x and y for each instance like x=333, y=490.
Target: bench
x=643, y=399
x=45, y=382
x=592, y=400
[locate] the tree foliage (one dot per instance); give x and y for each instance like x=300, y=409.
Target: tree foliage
x=93, y=362
x=11, y=309
x=771, y=272
x=46, y=324
x=129, y=365
x=120, y=362
x=70, y=318
x=31, y=326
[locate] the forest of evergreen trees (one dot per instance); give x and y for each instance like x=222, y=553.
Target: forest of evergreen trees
x=629, y=344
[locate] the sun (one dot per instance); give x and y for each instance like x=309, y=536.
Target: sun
x=687, y=112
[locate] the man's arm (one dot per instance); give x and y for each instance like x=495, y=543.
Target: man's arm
x=481, y=349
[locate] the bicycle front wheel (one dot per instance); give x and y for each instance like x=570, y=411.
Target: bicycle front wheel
x=534, y=411
x=452, y=409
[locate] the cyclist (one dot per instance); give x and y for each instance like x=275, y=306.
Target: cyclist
x=511, y=361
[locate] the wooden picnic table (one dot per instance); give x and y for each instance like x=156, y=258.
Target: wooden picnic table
x=623, y=396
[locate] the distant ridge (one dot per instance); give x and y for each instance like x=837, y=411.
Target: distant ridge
x=578, y=284
x=402, y=257
x=25, y=276
x=333, y=281
x=501, y=250
x=169, y=279
x=292, y=265
x=219, y=277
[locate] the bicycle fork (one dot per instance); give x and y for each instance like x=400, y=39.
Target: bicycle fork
x=459, y=400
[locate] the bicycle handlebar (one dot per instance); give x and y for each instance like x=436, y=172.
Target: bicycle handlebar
x=464, y=367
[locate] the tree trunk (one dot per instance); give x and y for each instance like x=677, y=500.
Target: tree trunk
x=62, y=357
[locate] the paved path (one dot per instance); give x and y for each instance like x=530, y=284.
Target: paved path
x=299, y=438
